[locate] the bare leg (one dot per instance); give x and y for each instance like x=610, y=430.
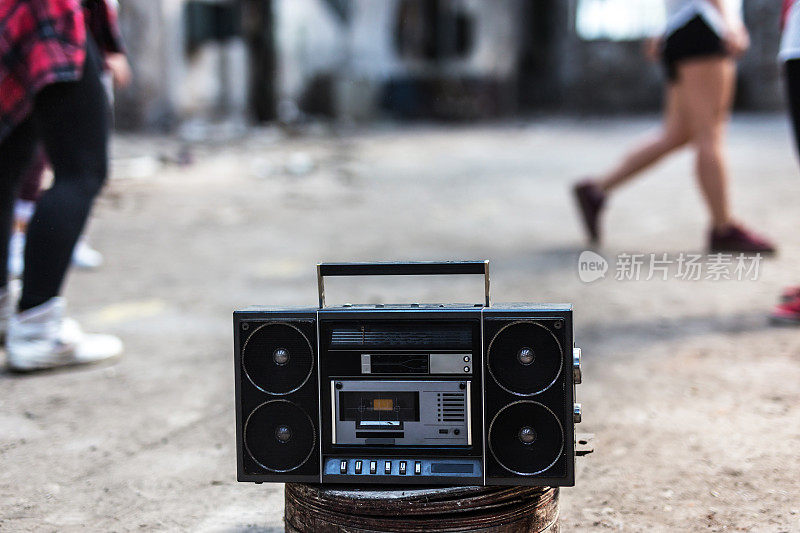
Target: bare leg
x=674, y=134
x=591, y=194
x=706, y=87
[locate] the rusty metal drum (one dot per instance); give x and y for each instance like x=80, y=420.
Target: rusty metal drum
x=336, y=509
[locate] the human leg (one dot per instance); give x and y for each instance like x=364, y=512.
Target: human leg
x=31, y=181
x=24, y=206
x=673, y=135
x=792, y=81
x=706, y=86
x=16, y=152
x=72, y=119
x=788, y=310
x=591, y=194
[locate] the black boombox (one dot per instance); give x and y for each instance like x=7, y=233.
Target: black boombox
x=407, y=394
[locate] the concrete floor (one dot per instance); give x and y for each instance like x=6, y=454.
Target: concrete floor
x=692, y=396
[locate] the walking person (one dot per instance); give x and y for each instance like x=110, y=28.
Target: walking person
x=51, y=61
x=699, y=47
x=788, y=310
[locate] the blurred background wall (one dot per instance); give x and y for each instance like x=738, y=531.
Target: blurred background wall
x=260, y=60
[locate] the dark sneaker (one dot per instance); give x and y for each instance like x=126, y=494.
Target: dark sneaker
x=591, y=200
x=787, y=312
x=735, y=238
x=790, y=293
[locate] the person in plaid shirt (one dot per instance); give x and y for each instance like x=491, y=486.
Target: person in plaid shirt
x=52, y=53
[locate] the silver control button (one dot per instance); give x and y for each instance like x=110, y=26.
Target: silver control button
x=373, y=467
x=466, y=369
x=466, y=359
x=387, y=467
x=402, y=468
x=358, y=467
x=417, y=468
x=343, y=467
x=577, y=377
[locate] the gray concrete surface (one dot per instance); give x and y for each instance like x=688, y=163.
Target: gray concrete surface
x=693, y=397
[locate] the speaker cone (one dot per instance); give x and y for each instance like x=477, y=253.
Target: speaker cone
x=277, y=358
x=279, y=436
x=525, y=358
x=526, y=438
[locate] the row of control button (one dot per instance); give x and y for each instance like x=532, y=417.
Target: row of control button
x=373, y=467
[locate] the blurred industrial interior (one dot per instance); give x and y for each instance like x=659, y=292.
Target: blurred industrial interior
x=359, y=60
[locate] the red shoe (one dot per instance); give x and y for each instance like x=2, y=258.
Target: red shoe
x=787, y=313
x=736, y=238
x=790, y=293
x=591, y=199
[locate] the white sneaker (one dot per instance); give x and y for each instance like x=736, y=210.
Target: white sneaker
x=41, y=337
x=16, y=254
x=84, y=256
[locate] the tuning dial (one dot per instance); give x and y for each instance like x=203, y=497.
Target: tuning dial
x=576, y=413
x=577, y=377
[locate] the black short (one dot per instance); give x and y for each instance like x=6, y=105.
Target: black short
x=692, y=40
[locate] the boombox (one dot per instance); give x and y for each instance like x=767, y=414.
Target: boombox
x=407, y=394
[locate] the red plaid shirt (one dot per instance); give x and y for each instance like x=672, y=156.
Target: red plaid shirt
x=44, y=42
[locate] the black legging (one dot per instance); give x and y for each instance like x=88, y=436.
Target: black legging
x=792, y=71
x=71, y=119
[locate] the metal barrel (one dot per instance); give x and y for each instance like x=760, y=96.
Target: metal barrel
x=337, y=509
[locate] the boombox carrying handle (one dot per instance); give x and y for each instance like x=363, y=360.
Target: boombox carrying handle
x=420, y=268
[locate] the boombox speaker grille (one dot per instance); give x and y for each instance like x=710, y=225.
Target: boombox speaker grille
x=525, y=358
x=526, y=438
x=278, y=358
x=279, y=435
